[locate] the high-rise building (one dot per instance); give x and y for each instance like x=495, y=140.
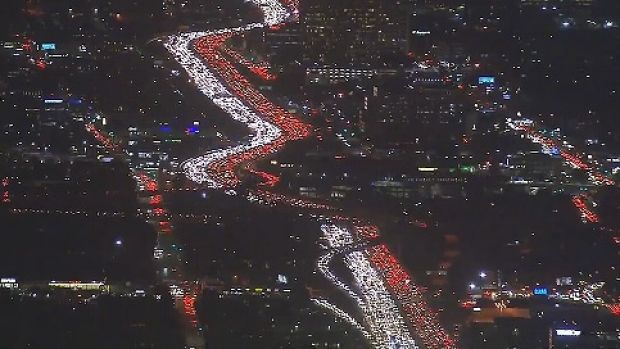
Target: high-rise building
x=354, y=32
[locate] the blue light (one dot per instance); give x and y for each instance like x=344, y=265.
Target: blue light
x=486, y=80
x=48, y=46
x=193, y=130
x=541, y=291
x=75, y=101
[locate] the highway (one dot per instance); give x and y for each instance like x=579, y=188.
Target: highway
x=552, y=146
x=391, y=310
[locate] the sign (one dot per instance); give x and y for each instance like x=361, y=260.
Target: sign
x=53, y=101
x=48, y=46
x=568, y=333
x=486, y=80
x=541, y=291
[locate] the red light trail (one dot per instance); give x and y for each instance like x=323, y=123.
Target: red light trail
x=259, y=69
x=6, y=195
x=421, y=316
x=573, y=159
x=204, y=57
x=614, y=309
x=580, y=202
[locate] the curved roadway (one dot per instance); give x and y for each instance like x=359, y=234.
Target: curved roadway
x=392, y=308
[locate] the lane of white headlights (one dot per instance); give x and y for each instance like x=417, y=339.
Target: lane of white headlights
x=262, y=131
x=385, y=325
x=343, y=316
x=274, y=12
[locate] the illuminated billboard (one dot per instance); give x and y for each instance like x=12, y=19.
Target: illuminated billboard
x=53, y=101
x=541, y=291
x=48, y=46
x=486, y=80
x=568, y=333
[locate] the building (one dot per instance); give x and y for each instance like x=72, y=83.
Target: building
x=353, y=32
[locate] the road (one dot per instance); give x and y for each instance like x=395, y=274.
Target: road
x=392, y=311
x=572, y=158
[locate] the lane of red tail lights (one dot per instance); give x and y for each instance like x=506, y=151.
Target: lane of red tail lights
x=267, y=179
x=224, y=171
x=149, y=184
x=6, y=194
x=260, y=70
x=189, y=308
x=366, y=232
x=580, y=202
x=156, y=201
x=614, y=309
x=103, y=138
x=363, y=230
x=573, y=159
x=423, y=319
